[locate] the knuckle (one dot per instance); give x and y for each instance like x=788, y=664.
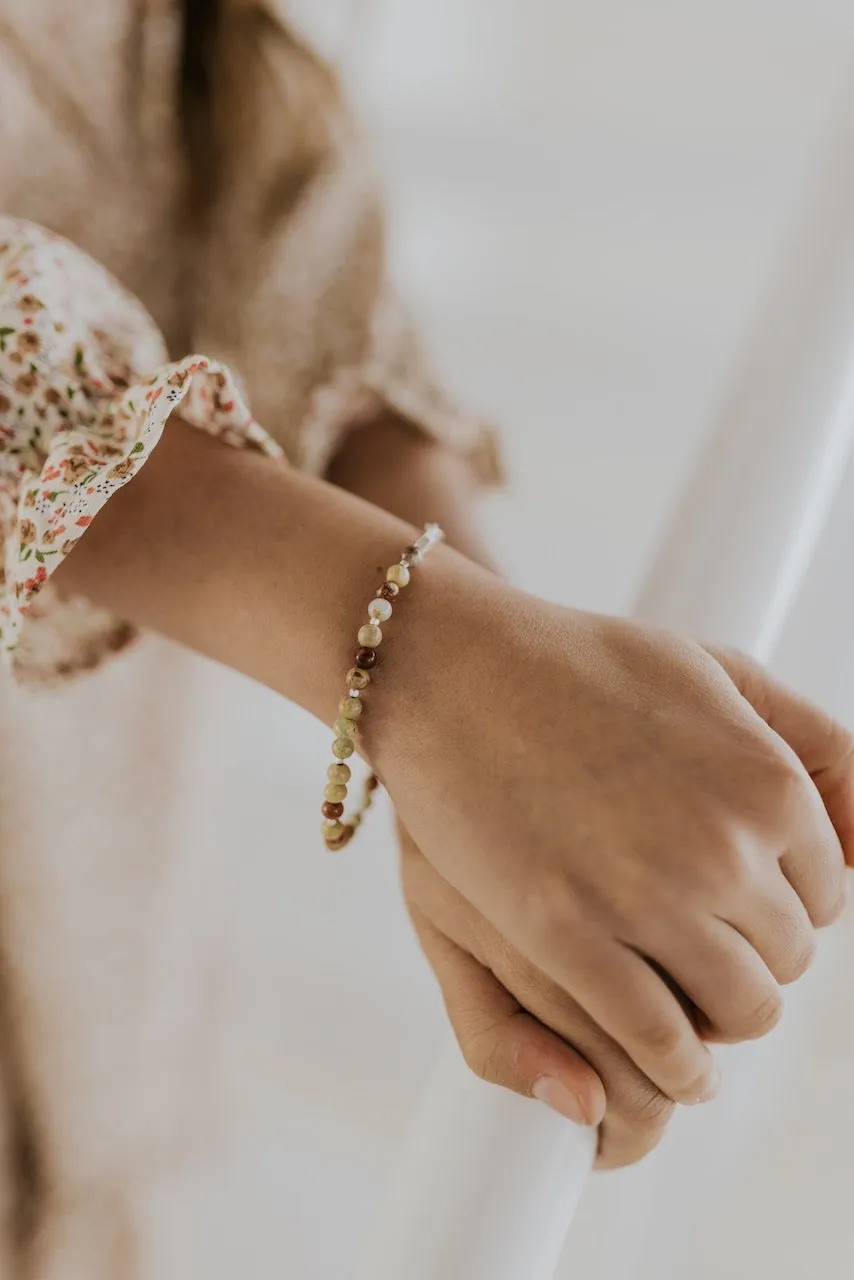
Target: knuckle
x=480, y=1052
x=492, y=1063
x=650, y=1111
x=823, y=915
x=729, y=871
x=547, y=914
x=789, y=786
x=485, y=1052
x=799, y=960
x=662, y=1040
x=634, y=1128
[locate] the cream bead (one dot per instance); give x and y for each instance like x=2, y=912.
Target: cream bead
x=339, y=774
x=335, y=793
x=343, y=748
x=345, y=728
x=351, y=708
x=398, y=574
x=379, y=610
x=370, y=636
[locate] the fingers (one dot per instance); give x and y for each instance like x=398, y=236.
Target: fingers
x=636, y=1120
x=725, y=978
x=778, y=928
x=634, y=1006
x=507, y=984
x=638, y=1112
x=731, y=969
x=608, y=980
x=823, y=746
x=510, y=1025
x=503, y=1044
x=812, y=861
x=816, y=872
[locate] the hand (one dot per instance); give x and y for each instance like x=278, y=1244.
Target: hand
x=649, y=824
x=516, y=1028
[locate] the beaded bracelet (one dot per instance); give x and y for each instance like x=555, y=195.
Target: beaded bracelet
x=337, y=833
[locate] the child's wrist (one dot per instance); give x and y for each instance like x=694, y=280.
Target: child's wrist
x=433, y=645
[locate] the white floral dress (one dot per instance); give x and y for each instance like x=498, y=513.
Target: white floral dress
x=85, y=390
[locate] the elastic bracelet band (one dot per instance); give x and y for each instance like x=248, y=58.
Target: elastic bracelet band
x=337, y=833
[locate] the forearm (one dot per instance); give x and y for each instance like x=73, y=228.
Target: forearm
x=241, y=559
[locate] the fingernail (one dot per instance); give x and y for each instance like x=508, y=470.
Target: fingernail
x=561, y=1099
x=712, y=1089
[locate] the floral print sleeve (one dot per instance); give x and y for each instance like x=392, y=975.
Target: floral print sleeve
x=85, y=391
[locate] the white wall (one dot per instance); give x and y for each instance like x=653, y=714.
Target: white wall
x=588, y=198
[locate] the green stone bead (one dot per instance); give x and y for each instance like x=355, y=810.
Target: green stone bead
x=345, y=728
x=335, y=793
x=343, y=748
x=332, y=831
x=370, y=635
x=351, y=708
x=339, y=773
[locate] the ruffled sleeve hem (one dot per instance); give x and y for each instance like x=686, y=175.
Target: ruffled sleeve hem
x=89, y=457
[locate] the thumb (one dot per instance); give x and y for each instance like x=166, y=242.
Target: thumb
x=501, y=1042
x=824, y=747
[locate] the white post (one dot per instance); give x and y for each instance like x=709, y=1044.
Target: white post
x=746, y=530
x=486, y=1188
x=490, y=1183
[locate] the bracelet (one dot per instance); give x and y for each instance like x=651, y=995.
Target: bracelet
x=336, y=833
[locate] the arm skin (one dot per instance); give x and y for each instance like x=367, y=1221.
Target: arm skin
x=257, y=566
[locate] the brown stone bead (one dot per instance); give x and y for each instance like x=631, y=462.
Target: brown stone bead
x=372, y=783
x=365, y=658
x=332, y=811
x=389, y=591
x=357, y=679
